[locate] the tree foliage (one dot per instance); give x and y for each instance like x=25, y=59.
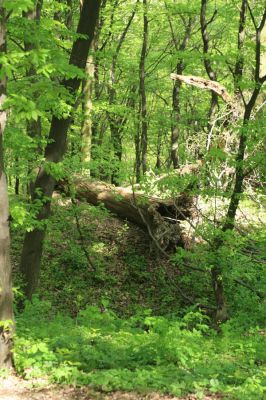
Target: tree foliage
x=166, y=100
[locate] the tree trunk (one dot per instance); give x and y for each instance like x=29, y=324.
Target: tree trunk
x=142, y=91
x=158, y=164
x=137, y=156
x=175, y=122
x=180, y=66
x=66, y=18
x=216, y=271
x=6, y=298
x=159, y=216
x=117, y=122
x=86, y=129
x=207, y=63
x=34, y=128
x=240, y=157
x=55, y=150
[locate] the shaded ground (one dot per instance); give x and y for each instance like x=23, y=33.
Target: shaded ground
x=13, y=388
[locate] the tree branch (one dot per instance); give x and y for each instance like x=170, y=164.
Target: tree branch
x=247, y=286
x=205, y=84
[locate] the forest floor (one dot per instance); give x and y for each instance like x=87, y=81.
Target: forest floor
x=14, y=388
x=103, y=328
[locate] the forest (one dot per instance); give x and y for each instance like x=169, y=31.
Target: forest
x=132, y=199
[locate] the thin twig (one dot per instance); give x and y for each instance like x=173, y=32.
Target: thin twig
x=82, y=240
x=247, y=286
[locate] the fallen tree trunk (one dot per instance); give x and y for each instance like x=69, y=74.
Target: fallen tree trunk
x=159, y=216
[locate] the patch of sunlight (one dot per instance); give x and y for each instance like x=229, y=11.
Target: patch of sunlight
x=98, y=247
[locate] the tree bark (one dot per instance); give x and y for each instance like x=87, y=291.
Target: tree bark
x=258, y=82
x=239, y=66
x=151, y=213
x=6, y=298
x=142, y=91
x=86, y=129
x=34, y=128
x=221, y=314
x=207, y=62
x=67, y=17
x=180, y=66
x=117, y=122
x=205, y=84
x=55, y=150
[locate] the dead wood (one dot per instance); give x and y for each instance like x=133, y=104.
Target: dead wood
x=159, y=216
x=203, y=83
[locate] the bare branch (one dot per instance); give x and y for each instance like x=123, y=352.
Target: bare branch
x=212, y=18
x=205, y=84
x=247, y=286
x=251, y=15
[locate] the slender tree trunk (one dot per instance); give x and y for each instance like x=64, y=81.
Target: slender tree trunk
x=216, y=271
x=238, y=73
x=116, y=122
x=6, y=298
x=55, y=150
x=97, y=129
x=240, y=173
x=86, y=129
x=66, y=18
x=207, y=63
x=142, y=91
x=137, y=156
x=17, y=180
x=240, y=157
x=176, y=119
x=180, y=66
x=17, y=186
x=34, y=128
x=69, y=15
x=158, y=164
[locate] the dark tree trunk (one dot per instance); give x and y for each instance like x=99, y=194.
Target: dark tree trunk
x=238, y=73
x=240, y=174
x=97, y=126
x=137, y=156
x=240, y=157
x=55, y=150
x=66, y=18
x=91, y=134
x=17, y=186
x=158, y=164
x=207, y=62
x=6, y=298
x=117, y=122
x=69, y=15
x=175, y=122
x=175, y=129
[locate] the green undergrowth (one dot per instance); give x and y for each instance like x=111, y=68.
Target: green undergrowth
x=127, y=275
x=142, y=353
x=130, y=320
x=125, y=272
